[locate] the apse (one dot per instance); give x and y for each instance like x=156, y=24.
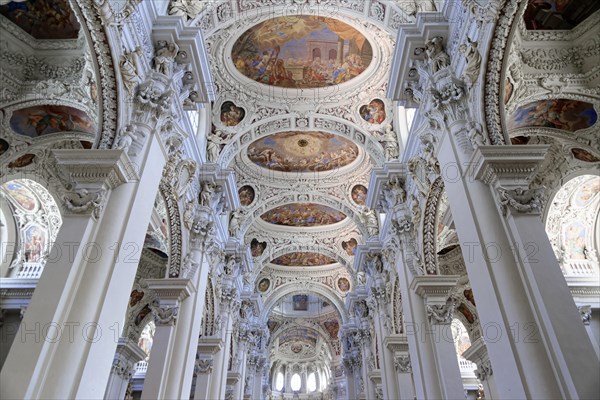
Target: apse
x=297, y=151
x=302, y=52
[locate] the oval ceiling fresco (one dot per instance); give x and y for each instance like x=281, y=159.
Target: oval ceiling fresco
x=302, y=52
x=303, y=215
x=302, y=152
x=566, y=114
x=303, y=259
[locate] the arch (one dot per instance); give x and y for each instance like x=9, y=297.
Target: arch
x=572, y=222
x=303, y=288
x=37, y=220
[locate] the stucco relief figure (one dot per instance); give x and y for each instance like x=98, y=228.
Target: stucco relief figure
x=394, y=193
x=213, y=146
x=126, y=139
x=473, y=58
x=369, y=219
x=412, y=7
x=129, y=71
x=429, y=155
x=207, y=193
x=165, y=58
x=389, y=141
x=235, y=222
x=188, y=9
x=438, y=58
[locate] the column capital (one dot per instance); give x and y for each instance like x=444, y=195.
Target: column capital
x=129, y=349
x=171, y=289
x=435, y=289
x=94, y=169
x=402, y=363
x=210, y=345
x=506, y=166
x=84, y=177
x=203, y=365
x=477, y=353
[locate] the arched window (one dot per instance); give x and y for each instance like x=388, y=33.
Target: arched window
x=296, y=382
x=279, y=382
x=147, y=337
x=311, y=382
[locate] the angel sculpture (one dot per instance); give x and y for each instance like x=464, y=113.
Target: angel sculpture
x=389, y=141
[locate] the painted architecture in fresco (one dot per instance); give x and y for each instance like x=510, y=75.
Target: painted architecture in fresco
x=302, y=152
x=303, y=215
x=302, y=52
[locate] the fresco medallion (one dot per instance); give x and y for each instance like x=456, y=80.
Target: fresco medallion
x=247, y=195
x=359, y=195
x=302, y=152
x=302, y=52
x=374, y=112
x=303, y=215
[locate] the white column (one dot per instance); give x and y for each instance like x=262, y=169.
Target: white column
x=402, y=366
x=242, y=354
x=170, y=292
x=69, y=334
x=477, y=353
x=127, y=355
x=228, y=306
x=206, y=375
x=386, y=358
x=540, y=316
x=435, y=290
x=424, y=371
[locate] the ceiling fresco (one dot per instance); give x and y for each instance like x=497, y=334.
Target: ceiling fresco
x=303, y=215
x=299, y=334
x=565, y=114
x=302, y=152
x=45, y=119
x=303, y=259
x=302, y=52
x=43, y=19
x=558, y=14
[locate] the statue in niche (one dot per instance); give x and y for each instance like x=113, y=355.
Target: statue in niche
x=165, y=57
x=389, y=141
x=473, y=58
x=438, y=58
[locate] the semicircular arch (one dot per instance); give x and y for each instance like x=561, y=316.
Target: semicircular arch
x=303, y=288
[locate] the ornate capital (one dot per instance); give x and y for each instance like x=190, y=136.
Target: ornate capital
x=530, y=201
x=122, y=368
x=484, y=370
x=440, y=314
x=586, y=314
x=166, y=315
x=203, y=366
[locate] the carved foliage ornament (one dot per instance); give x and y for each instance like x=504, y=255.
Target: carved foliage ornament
x=522, y=200
x=440, y=314
x=402, y=364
